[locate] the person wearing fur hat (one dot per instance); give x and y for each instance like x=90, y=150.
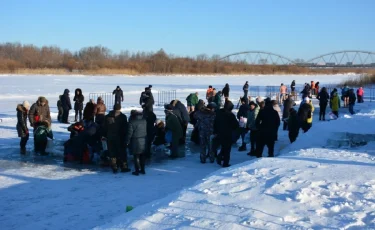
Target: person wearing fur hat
x=224, y=125
x=173, y=125
x=22, y=130
x=66, y=105
x=39, y=111
x=115, y=131
x=78, y=104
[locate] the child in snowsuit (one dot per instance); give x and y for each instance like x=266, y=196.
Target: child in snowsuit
x=41, y=133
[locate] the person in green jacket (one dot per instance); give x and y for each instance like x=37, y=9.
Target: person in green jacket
x=173, y=125
x=217, y=99
x=192, y=101
x=41, y=133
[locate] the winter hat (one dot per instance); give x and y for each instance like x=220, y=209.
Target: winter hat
x=26, y=104
x=168, y=107
x=42, y=99
x=228, y=105
x=252, y=103
x=212, y=105
x=307, y=99
x=117, y=107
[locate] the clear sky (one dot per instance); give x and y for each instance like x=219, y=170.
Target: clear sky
x=294, y=28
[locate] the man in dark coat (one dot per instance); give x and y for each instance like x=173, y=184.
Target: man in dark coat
x=22, y=130
x=267, y=122
x=119, y=96
x=293, y=86
x=180, y=111
x=304, y=113
x=245, y=89
x=66, y=105
x=323, y=98
x=352, y=99
x=39, y=112
x=115, y=132
x=78, y=104
x=173, y=125
x=150, y=118
x=225, y=91
x=224, y=126
x=288, y=104
x=243, y=112
x=59, y=109
x=293, y=125
x=136, y=138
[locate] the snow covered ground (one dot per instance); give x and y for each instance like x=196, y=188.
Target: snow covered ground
x=312, y=184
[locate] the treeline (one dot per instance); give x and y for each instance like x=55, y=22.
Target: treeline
x=15, y=57
x=363, y=80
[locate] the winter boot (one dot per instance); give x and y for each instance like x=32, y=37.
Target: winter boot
x=23, y=151
x=203, y=158
x=114, y=165
x=242, y=147
x=135, y=173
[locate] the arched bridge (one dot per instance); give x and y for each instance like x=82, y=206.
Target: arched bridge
x=345, y=58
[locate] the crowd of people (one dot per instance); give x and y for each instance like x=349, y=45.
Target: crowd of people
x=216, y=127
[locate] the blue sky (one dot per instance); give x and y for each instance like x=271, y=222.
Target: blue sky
x=296, y=29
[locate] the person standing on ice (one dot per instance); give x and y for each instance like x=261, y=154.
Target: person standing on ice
x=251, y=118
x=100, y=110
x=293, y=125
x=115, y=132
x=224, y=125
x=352, y=100
x=66, y=104
x=209, y=94
x=78, y=104
x=59, y=109
x=245, y=89
x=226, y=91
x=288, y=104
x=242, y=117
x=22, y=130
x=283, y=90
x=335, y=103
x=267, y=122
x=119, y=96
x=39, y=111
x=136, y=138
x=323, y=98
x=360, y=93
x=180, y=108
x=205, y=123
x=305, y=114
x=293, y=86
x=173, y=126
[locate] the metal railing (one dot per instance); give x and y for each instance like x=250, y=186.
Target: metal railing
x=108, y=98
x=165, y=97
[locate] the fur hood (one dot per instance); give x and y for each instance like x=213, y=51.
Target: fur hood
x=76, y=91
x=40, y=100
x=21, y=108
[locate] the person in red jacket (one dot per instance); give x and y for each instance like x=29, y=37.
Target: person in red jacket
x=360, y=93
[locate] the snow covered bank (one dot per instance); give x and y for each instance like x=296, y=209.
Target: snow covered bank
x=307, y=187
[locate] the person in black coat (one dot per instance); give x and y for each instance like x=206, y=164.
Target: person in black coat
x=293, y=86
x=78, y=104
x=225, y=91
x=288, y=104
x=136, y=138
x=150, y=117
x=22, y=129
x=224, y=125
x=267, y=122
x=243, y=112
x=293, y=125
x=323, y=98
x=119, y=96
x=180, y=111
x=66, y=105
x=352, y=99
x=304, y=113
x=245, y=89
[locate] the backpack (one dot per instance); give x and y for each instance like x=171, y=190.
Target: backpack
x=188, y=98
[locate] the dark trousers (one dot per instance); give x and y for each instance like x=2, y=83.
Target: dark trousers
x=117, y=152
x=243, y=134
x=23, y=141
x=253, y=139
x=65, y=116
x=360, y=99
x=99, y=119
x=351, y=109
x=336, y=113
x=245, y=92
x=174, y=147
x=263, y=141
x=224, y=155
x=285, y=125
x=78, y=112
x=40, y=146
x=148, y=147
x=322, y=113
x=184, y=129
x=293, y=136
x=139, y=162
x=60, y=114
